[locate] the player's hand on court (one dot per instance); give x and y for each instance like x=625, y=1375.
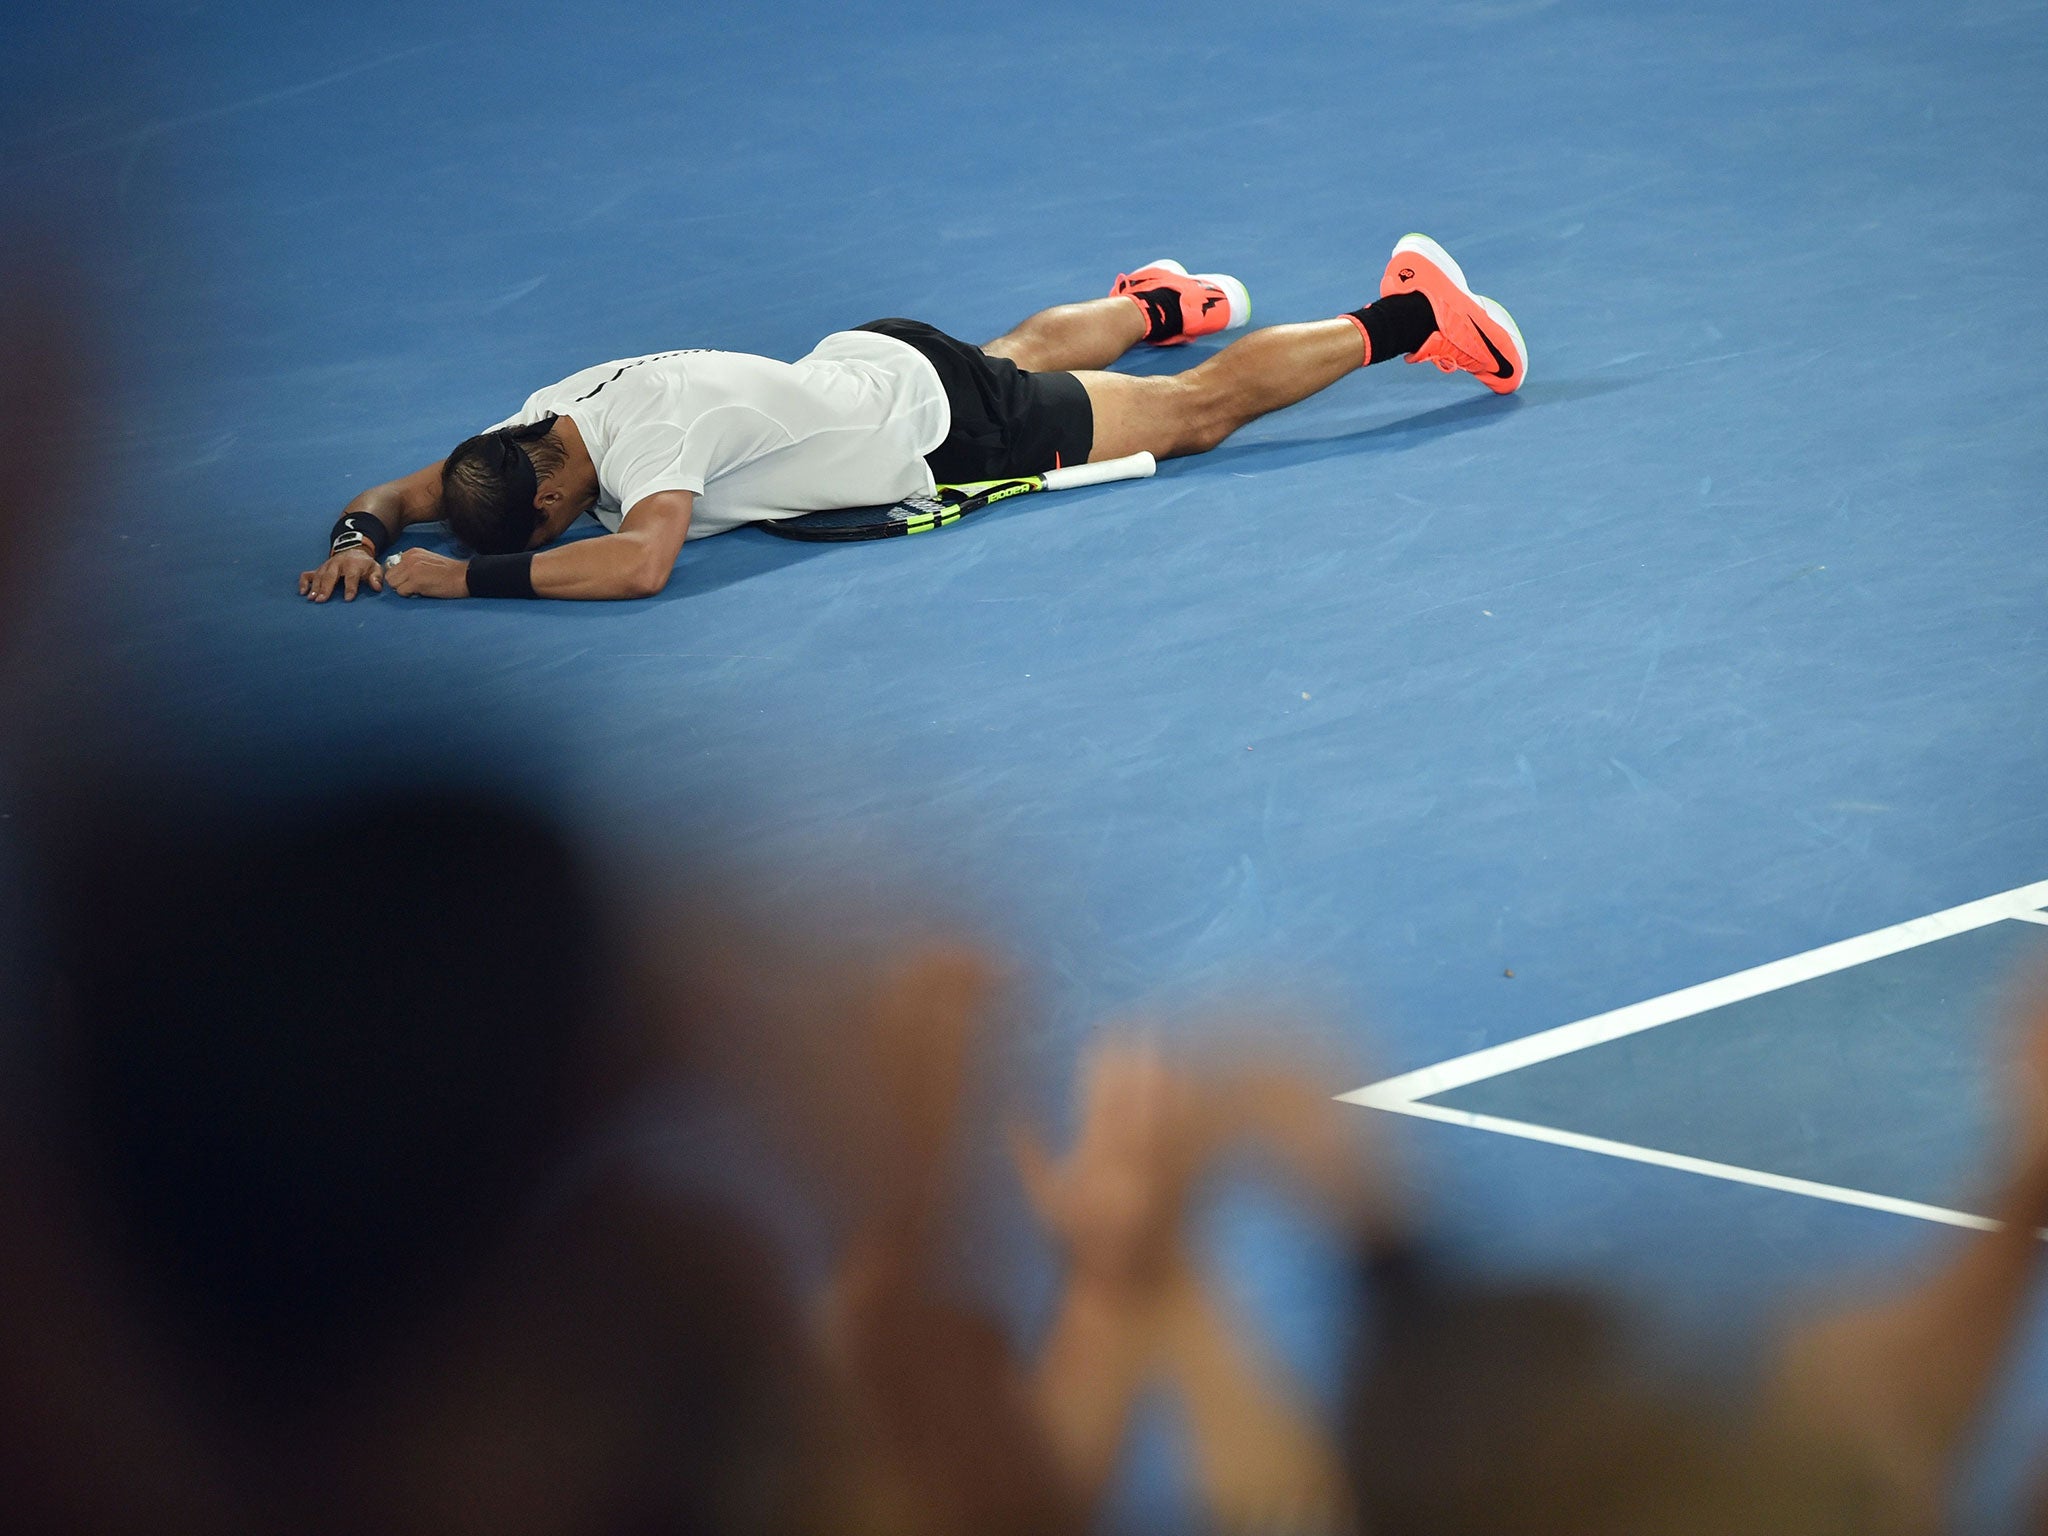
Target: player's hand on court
x=422, y=573
x=351, y=570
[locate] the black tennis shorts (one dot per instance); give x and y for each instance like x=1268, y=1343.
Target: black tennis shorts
x=1005, y=421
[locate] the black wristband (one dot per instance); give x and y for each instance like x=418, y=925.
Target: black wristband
x=369, y=526
x=501, y=575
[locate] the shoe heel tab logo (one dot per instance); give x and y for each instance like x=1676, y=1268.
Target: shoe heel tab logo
x=1406, y=274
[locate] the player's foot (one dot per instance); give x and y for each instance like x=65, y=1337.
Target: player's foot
x=1472, y=332
x=1178, y=306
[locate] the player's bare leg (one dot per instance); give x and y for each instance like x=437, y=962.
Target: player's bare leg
x=1161, y=303
x=1172, y=414
x=1426, y=312
x=1068, y=337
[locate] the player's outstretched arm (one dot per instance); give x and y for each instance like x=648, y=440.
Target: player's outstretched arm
x=397, y=504
x=634, y=562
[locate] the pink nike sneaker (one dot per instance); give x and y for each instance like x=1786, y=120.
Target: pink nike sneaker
x=1472, y=333
x=1178, y=306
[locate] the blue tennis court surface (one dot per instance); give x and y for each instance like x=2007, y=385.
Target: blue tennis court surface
x=1720, y=642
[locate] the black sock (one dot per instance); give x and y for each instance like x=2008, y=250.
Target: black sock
x=1395, y=325
x=1162, y=312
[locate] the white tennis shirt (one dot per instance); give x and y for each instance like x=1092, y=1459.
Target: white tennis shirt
x=755, y=439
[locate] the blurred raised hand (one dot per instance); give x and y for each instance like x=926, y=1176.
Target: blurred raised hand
x=1899, y=1381
x=1139, y=1308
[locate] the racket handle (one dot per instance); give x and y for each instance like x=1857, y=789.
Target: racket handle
x=1136, y=467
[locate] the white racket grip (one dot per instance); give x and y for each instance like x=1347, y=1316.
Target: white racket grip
x=1136, y=467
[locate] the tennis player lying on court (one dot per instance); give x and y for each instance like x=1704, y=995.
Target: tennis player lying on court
x=682, y=445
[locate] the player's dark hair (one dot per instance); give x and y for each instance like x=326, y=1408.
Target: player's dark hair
x=488, y=484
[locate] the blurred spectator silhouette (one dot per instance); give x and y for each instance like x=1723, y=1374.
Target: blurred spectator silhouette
x=291, y=1270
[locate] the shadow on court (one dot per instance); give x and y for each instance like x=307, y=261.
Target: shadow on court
x=1412, y=431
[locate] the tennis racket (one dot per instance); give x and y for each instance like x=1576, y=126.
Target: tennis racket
x=949, y=503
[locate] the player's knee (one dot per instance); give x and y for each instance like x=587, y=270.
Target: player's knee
x=1210, y=413
x=1184, y=419
x=1205, y=427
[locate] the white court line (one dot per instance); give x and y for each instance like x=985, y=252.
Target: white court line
x=1403, y=1094
x=1712, y=1170
x=1477, y=1066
